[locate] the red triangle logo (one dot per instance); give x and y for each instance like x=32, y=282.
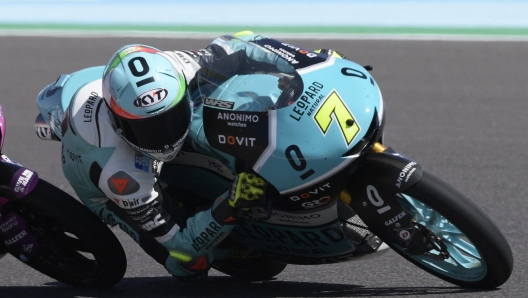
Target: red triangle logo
x=230, y=218
x=200, y=264
x=120, y=184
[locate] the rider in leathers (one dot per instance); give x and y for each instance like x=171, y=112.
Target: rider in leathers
x=110, y=132
x=119, y=129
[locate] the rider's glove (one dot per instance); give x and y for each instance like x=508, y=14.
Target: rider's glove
x=246, y=191
x=330, y=52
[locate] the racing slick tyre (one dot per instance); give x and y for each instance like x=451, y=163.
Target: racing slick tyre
x=74, y=246
x=478, y=254
x=261, y=267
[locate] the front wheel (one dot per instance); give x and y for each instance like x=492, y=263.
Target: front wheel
x=478, y=254
x=75, y=247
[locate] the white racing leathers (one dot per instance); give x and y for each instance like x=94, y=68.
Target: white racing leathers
x=119, y=185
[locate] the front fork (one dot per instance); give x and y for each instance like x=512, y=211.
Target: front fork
x=372, y=192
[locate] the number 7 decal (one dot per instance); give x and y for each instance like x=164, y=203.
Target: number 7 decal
x=334, y=105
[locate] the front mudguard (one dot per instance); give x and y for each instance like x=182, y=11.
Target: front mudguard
x=373, y=190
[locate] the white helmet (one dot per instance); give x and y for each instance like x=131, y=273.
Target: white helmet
x=148, y=100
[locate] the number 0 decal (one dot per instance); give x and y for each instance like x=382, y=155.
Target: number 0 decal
x=334, y=105
x=139, y=73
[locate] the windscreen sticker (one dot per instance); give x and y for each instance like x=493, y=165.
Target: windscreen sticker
x=223, y=104
x=297, y=57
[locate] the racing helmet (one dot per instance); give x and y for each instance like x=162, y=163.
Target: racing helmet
x=148, y=100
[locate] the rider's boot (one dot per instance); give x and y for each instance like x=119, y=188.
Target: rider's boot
x=186, y=270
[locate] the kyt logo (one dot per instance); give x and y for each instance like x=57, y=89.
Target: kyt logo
x=150, y=97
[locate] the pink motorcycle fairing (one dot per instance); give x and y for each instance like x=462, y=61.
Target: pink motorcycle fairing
x=2, y=128
x=20, y=180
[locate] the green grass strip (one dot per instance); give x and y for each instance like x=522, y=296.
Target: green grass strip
x=222, y=29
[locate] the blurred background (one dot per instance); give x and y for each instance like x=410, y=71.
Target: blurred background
x=453, y=75
x=506, y=19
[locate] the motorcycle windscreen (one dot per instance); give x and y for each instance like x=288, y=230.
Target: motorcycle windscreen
x=251, y=78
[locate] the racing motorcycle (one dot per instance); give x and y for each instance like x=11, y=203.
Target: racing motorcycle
x=311, y=125
x=50, y=231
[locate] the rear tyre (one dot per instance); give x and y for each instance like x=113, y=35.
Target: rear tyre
x=75, y=247
x=479, y=255
x=253, y=268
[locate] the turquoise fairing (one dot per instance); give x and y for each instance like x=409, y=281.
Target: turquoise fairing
x=293, y=130
x=297, y=126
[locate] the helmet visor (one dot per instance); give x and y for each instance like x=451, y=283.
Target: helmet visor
x=160, y=133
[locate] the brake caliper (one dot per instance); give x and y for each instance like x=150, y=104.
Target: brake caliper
x=429, y=241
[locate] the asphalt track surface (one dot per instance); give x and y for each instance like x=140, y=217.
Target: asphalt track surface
x=458, y=108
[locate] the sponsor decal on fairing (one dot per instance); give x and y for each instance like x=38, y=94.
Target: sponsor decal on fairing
x=23, y=182
x=308, y=101
x=324, y=240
